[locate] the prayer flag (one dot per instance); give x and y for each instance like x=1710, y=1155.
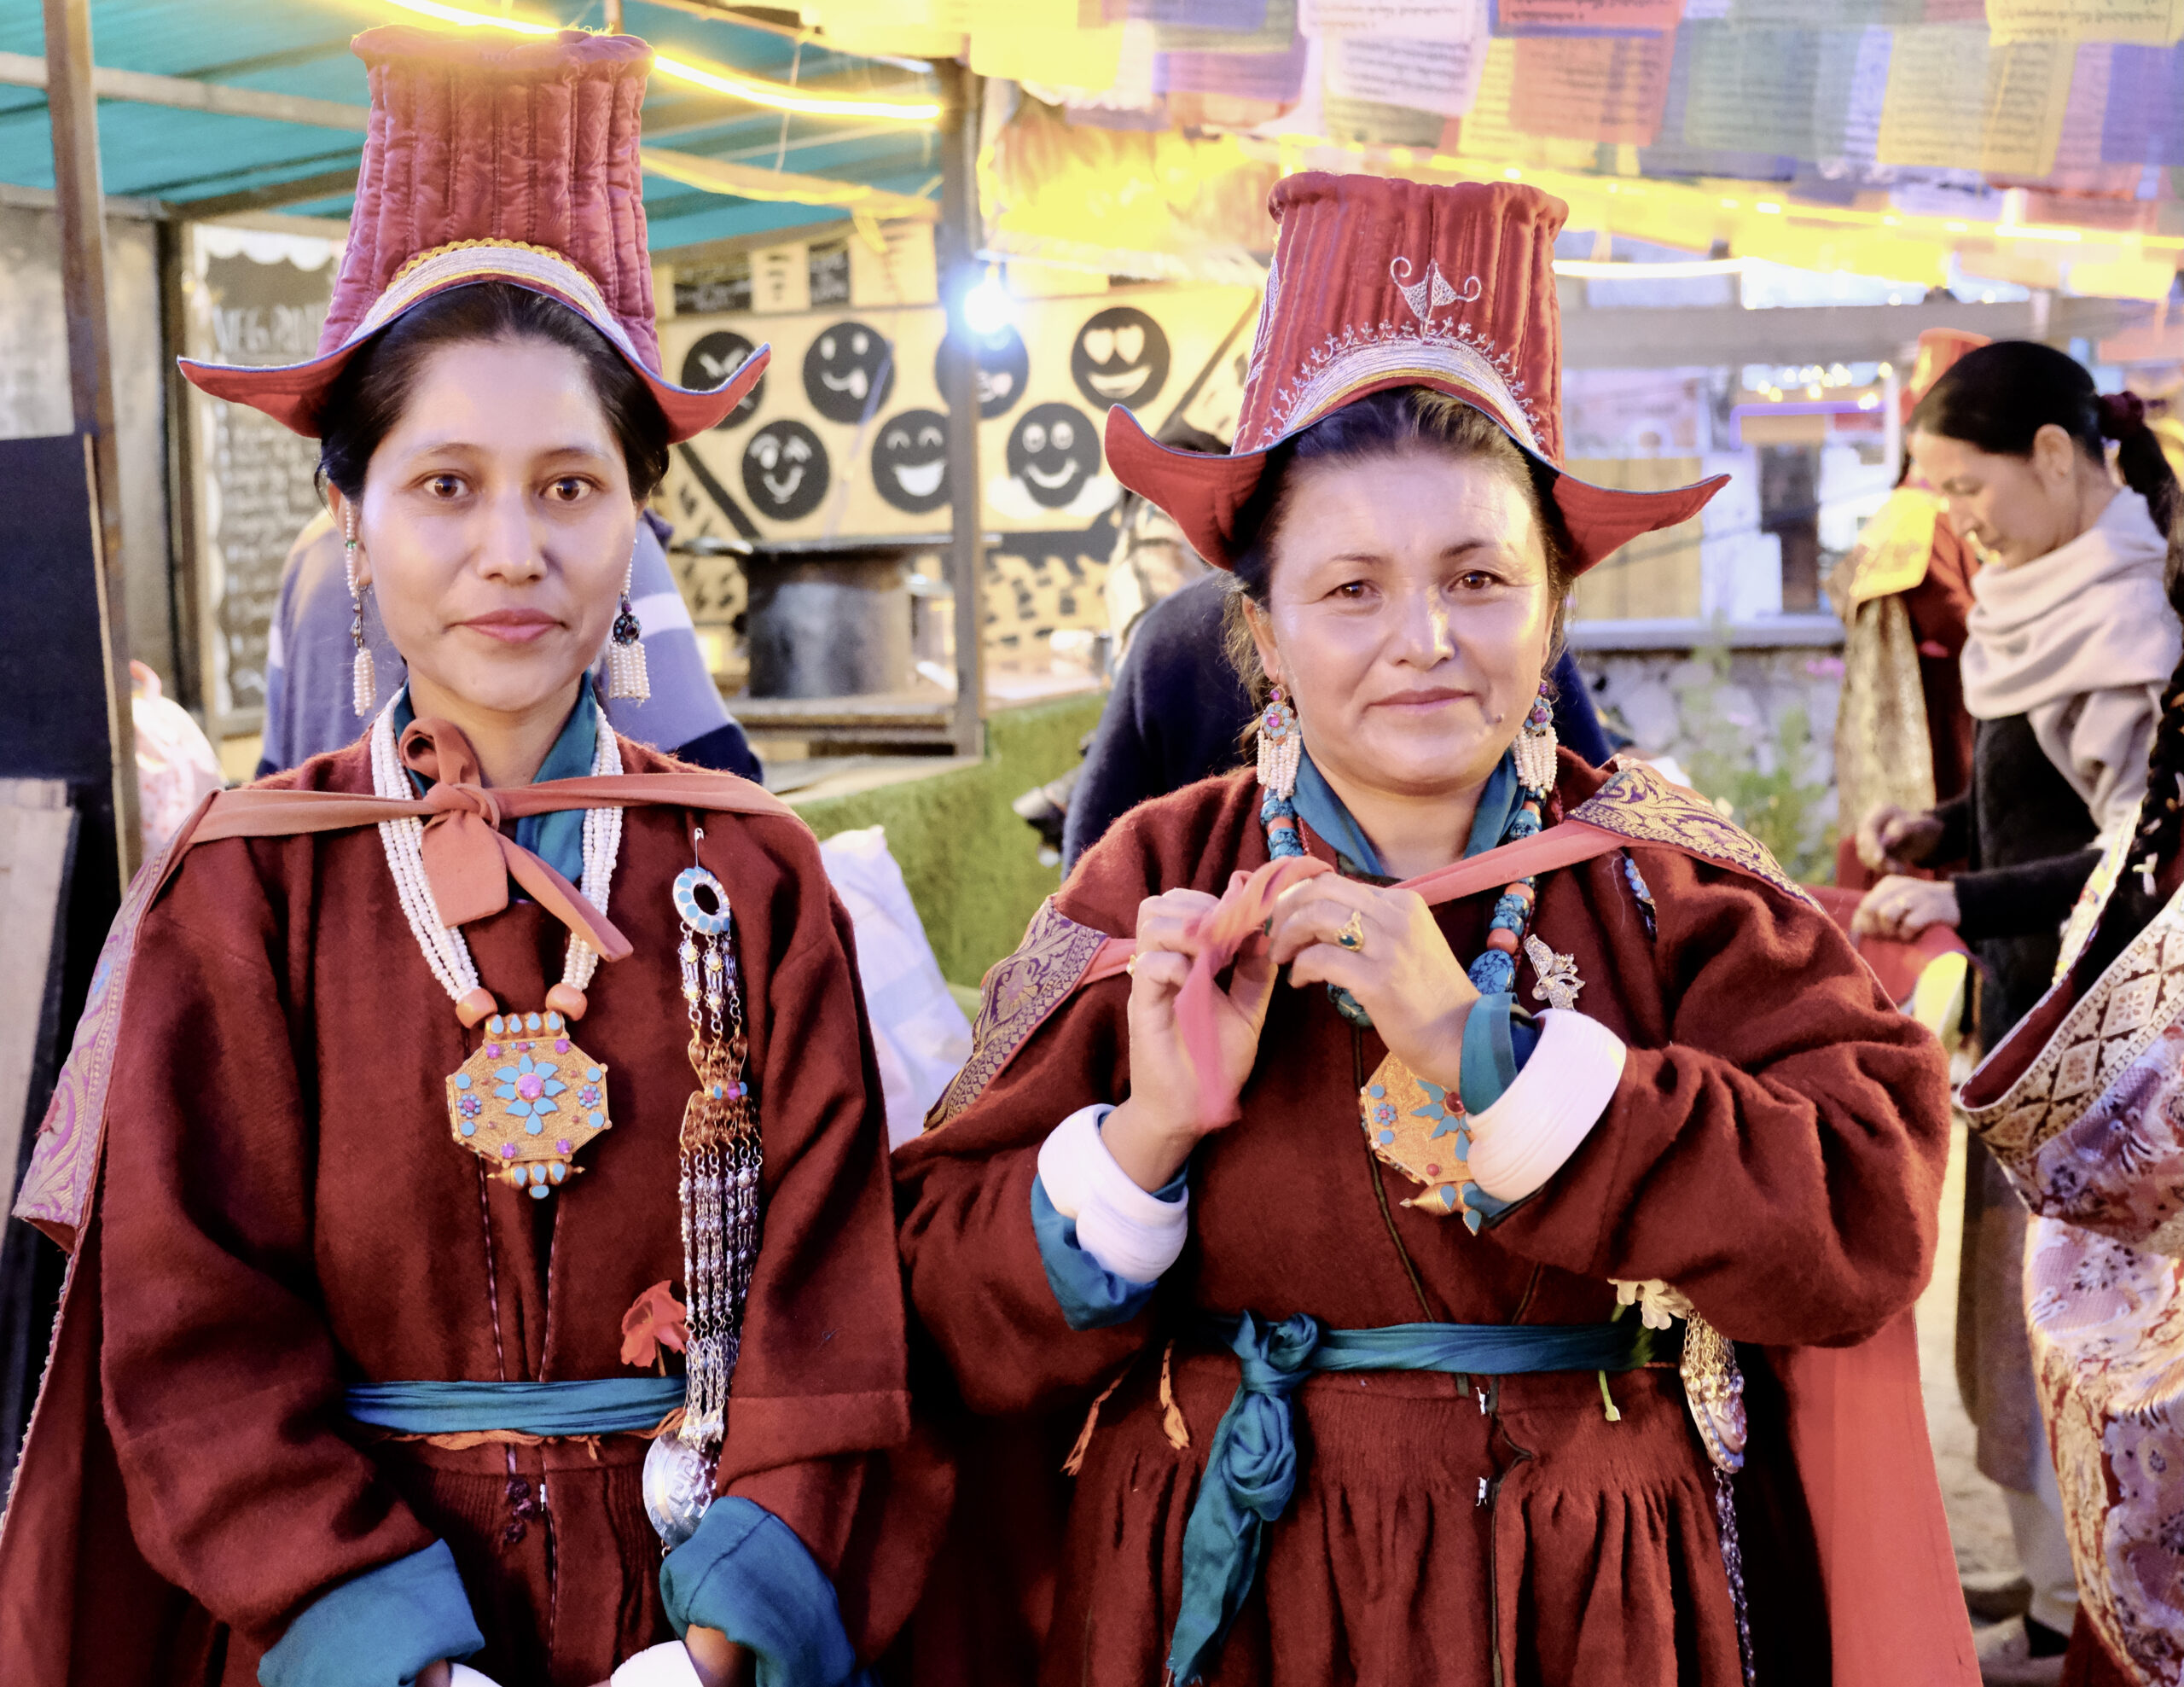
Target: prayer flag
x=1955, y=101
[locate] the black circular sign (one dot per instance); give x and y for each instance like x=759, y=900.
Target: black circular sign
x=1054, y=452
x=785, y=470
x=910, y=460
x=849, y=371
x=712, y=360
x=1004, y=368
x=1120, y=357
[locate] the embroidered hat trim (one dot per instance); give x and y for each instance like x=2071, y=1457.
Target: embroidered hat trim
x=1381, y=355
x=462, y=261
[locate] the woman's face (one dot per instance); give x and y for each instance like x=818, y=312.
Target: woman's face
x=495, y=527
x=2015, y=509
x=1408, y=616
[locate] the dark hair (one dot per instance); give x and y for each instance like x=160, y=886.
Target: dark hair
x=1998, y=397
x=367, y=397
x=1389, y=423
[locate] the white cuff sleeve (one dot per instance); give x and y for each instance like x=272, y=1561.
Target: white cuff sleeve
x=666, y=1665
x=1132, y=1234
x=1524, y=1138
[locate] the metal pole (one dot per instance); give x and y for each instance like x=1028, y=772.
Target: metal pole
x=77, y=200
x=956, y=240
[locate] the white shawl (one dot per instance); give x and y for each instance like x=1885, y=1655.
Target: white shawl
x=2081, y=641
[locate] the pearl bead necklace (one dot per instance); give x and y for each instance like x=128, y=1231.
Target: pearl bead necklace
x=403, y=840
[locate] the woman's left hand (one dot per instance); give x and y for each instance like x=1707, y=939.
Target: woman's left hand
x=719, y=1661
x=1402, y=972
x=1902, y=908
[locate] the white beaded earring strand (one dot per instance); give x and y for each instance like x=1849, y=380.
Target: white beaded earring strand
x=363, y=680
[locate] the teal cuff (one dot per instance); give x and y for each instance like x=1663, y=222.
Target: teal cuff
x=746, y=1573
x=1499, y=1037
x=379, y=1629
x=1091, y=1297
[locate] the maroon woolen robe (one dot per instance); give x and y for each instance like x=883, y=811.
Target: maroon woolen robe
x=1774, y=1149
x=283, y=1214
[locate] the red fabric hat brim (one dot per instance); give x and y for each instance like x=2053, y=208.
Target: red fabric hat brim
x=1204, y=494
x=294, y=394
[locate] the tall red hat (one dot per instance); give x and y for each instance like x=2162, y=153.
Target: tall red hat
x=1380, y=283
x=493, y=159
x=1938, y=350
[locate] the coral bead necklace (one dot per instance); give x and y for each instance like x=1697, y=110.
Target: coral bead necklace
x=528, y=1100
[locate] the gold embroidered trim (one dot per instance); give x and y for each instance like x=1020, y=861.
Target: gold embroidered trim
x=1383, y=351
x=1015, y=999
x=464, y=259
x=477, y=245
x=1638, y=803
x=1883, y=754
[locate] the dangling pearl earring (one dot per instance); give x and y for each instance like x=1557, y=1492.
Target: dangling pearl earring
x=363, y=679
x=625, y=650
x=1535, y=745
x=1281, y=742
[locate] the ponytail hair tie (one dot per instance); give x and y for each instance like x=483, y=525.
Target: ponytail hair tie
x=2122, y=415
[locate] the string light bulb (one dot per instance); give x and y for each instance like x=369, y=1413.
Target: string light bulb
x=987, y=307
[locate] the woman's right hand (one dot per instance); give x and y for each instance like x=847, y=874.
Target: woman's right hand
x=1893, y=839
x=1152, y=1133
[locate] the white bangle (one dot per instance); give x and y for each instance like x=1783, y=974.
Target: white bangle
x=1132, y=1234
x=1550, y=1108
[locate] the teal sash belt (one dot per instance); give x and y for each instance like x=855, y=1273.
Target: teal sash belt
x=606, y=1406
x=1251, y=1469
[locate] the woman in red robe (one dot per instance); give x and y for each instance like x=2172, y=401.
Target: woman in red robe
x=1399, y=1318
x=371, y=1361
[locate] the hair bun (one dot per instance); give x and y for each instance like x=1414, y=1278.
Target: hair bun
x=2121, y=414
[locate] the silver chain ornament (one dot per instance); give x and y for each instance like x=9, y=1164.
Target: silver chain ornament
x=722, y=1159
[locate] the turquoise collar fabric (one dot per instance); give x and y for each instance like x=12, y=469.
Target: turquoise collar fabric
x=1320, y=808
x=556, y=839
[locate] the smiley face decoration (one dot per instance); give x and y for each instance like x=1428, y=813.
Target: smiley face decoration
x=1053, y=454
x=910, y=460
x=848, y=372
x=1004, y=369
x=785, y=470
x=1120, y=357
x=712, y=360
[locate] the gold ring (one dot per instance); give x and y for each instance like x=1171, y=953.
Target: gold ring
x=1352, y=934
x=1130, y=966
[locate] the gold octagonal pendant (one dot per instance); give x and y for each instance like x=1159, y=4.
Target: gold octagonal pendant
x=528, y=1101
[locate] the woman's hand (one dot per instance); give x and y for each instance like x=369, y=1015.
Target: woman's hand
x=1892, y=838
x=1153, y=1133
x=1902, y=908
x=1403, y=971
x=719, y=1661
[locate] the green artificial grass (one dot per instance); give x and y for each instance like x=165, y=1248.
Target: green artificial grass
x=971, y=865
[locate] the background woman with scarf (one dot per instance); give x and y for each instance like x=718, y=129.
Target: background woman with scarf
x=2070, y=640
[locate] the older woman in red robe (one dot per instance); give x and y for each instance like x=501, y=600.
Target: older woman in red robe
x=372, y=1367
x=1417, y=1336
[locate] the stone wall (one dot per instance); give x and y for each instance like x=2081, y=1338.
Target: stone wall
x=1753, y=729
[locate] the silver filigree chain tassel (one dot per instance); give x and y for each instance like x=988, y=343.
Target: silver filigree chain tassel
x=722, y=1158
x=1713, y=1389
